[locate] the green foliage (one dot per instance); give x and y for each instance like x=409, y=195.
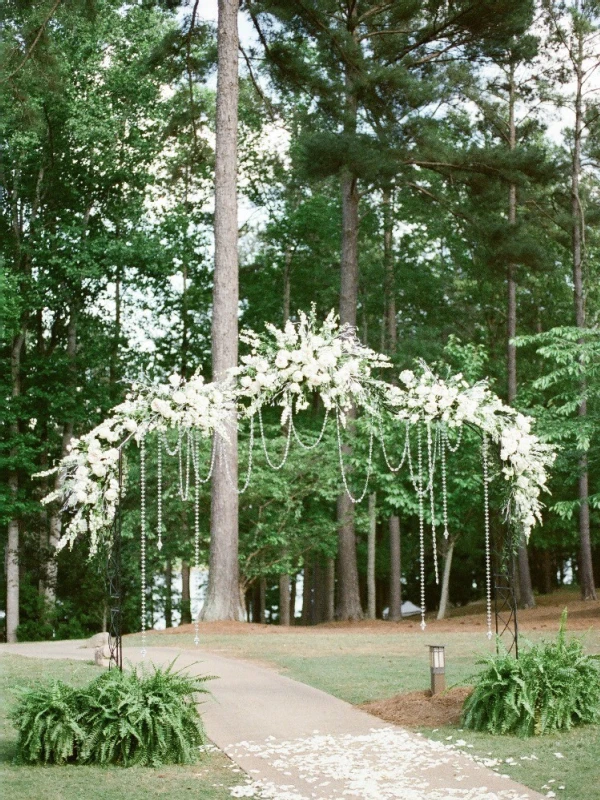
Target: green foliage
x=552, y=686
x=127, y=718
x=48, y=720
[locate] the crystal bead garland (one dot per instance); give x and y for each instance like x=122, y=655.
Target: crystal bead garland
x=220, y=443
x=486, y=512
x=354, y=500
x=286, y=451
x=319, y=438
x=444, y=486
x=421, y=495
x=184, y=484
x=406, y=447
x=143, y=537
x=159, y=525
x=432, y=502
x=196, y=544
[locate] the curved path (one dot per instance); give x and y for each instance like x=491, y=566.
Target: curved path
x=299, y=743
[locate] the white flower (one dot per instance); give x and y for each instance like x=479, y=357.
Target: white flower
x=99, y=469
x=179, y=397
x=282, y=359
x=111, y=495
x=175, y=380
x=407, y=377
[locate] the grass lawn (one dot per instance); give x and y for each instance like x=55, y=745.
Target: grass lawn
x=360, y=666
x=209, y=779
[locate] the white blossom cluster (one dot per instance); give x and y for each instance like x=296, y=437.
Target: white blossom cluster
x=525, y=459
x=287, y=365
x=88, y=476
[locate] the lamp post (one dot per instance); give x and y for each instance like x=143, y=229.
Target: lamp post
x=437, y=663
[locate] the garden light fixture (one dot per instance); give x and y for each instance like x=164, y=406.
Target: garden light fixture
x=437, y=663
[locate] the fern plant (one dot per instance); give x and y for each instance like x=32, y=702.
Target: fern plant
x=128, y=718
x=552, y=686
x=47, y=718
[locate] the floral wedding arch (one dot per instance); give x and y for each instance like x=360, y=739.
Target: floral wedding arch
x=285, y=368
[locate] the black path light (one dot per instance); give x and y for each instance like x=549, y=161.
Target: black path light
x=437, y=663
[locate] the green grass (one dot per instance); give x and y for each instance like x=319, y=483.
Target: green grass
x=209, y=779
x=359, y=666
x=578, y=771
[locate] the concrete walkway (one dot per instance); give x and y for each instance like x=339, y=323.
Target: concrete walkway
x=298, y=743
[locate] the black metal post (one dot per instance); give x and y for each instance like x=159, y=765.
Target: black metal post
x=505, y=601
x=115, y=584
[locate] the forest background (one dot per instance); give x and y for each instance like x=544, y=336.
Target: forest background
x=431, y=169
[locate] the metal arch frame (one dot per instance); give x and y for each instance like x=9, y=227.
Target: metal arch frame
x=505, y=601
x=115, y=584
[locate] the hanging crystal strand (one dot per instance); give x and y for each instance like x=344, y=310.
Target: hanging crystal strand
x=421, y=495
x=453, y=448
x=319, y=438
x=196, y=546
x=196, y=457
x=431, y=465
x=166, y=442
x=486, y=512
x=264, y=443
x=353, y=499
x=159, y=543
x=444, y=486
x=406, y=447
x=220, y=442
x=143, y=538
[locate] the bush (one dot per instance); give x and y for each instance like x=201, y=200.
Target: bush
x=552, y=686
x=47, y=718
x=122, y=718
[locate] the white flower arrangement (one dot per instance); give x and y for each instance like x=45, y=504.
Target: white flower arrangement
x=286, y=366
x=88, y=485
x=525, y=459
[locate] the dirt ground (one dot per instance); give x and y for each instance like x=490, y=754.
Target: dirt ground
x=582, y=615
x=421, y=709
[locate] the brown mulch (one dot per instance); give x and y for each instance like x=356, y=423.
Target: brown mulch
x=421, y=709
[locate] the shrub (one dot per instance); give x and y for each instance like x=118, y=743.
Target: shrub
x=552, y=686
x=133, y=718
x=47, y=718
x=127, y=718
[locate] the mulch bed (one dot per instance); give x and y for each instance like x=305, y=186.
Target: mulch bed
x=421, y=709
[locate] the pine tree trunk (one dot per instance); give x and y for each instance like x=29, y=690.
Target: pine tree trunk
x=586, y=572
x=349, y=606
x=527, y=599
x=293, y=601
x=284, y=599
x=391, y=329
x=371, y=556
x=186, y=606
x=12, y=546
x=395, y=577
x=445, y=591
x=330, y=590
x=307, y=590
x=222, y=598
x=263, y=600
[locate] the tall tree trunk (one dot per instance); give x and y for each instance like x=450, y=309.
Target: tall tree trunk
x=445, y=590
x=349, y=606
x=222, y=599
x=307, y=590
x=169, y=594
x=55, y=517
x=527, y=599
x=395, y=612
x=371, y=556
x=12, y=547
x=284, y=599
x=263, y=600
x=586, y=571
x=329, y=590
x=186, y=606
x=395, y=576
x=293, y=601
